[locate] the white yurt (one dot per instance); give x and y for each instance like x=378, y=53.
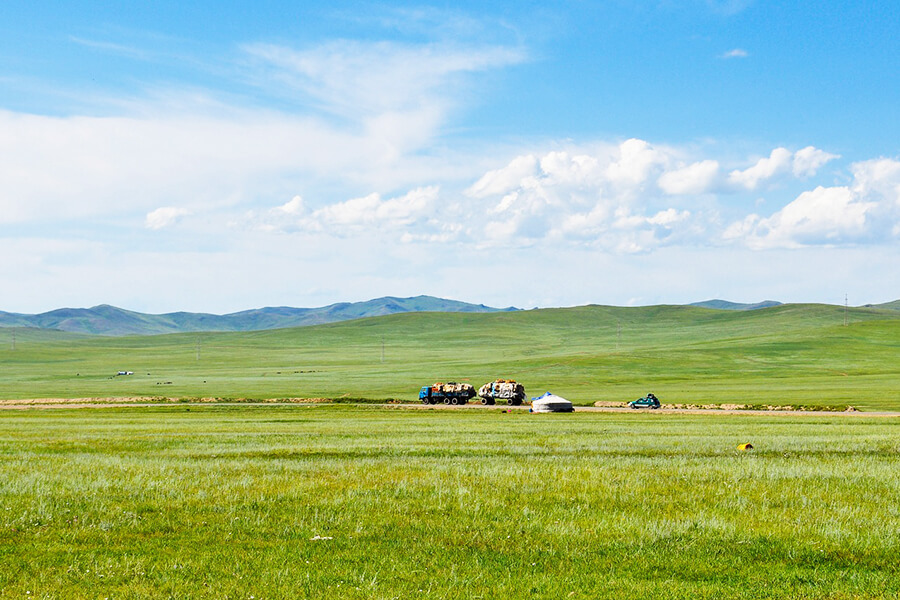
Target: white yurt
x=551, y=403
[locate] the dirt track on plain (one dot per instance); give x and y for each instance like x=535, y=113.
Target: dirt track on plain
x=124, y=402
x=671, y=411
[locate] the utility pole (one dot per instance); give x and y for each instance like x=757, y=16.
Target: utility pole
x=845, y=310
x=198, y=348
x=382, y=348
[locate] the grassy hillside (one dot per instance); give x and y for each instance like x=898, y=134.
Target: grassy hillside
x=788, y=354
x=895, y=305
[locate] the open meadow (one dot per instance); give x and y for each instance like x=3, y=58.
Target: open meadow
x=316, y=501
x=791, y=354
x=238, y=500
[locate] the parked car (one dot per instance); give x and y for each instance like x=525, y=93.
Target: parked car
x=648, y=401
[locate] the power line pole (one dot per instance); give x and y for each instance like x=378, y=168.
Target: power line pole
x=198, y=348
x=382, y=348
x=845, y=310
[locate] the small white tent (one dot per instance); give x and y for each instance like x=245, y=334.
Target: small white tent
x=551, y=403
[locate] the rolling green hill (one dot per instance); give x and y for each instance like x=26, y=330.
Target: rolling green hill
x=895, y=305
x=789, y=354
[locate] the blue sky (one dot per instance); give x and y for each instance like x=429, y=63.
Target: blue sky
x=221, y=156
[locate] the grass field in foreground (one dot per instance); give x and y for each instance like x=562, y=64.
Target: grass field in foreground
x=355, y=502
x=796, y=354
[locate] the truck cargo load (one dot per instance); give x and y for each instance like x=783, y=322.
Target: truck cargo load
x=449, y=393
x=502, y=389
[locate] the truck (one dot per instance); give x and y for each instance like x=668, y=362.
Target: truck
x=502, y=389
x=448, y=393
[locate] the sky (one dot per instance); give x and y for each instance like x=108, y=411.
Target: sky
x=221, y=156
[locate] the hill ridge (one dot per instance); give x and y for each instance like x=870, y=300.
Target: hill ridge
x=105, y=319
x=726, y=305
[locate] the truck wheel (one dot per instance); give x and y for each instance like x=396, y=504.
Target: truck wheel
x=447, y=401
x=424, y=400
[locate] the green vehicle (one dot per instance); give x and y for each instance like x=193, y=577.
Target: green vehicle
x=649, y=401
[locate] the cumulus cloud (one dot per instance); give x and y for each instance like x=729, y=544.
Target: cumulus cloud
x=697, y=178
x=821, y=216
x=781, y=162
x=510, y=177
x=879, y=178
x=411, y=216
x=636, y=161
x=294, y=206
x=866, y=210
x=809, y=160
x=575, y=196
x=634, y=196
x=165, y=216
x=765, y=169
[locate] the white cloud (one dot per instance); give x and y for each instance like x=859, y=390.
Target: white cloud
x=736, y=53
x=880, y=178
x=621, y=197
x=294, y=206
x=636, y=161
x=165, y=216
x=867, y=210
x=809, y=160
x=565, y=169
x=669, y=216
x=778, y=163
x=600, y=197
x=370, y=214
x=697, y=178
x=821, y=216
x=55, y=167
x=508, y=178
x=393, y=99
x=361, y=80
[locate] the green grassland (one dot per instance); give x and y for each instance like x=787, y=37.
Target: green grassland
x=792, y=354
x=332, y=501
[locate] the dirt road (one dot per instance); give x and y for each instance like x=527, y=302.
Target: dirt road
x=121, y=402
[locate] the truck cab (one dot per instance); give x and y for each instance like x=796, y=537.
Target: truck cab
x=425, y=394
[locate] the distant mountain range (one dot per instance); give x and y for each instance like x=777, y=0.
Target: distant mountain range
x=112, y=321
x=726, y=305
